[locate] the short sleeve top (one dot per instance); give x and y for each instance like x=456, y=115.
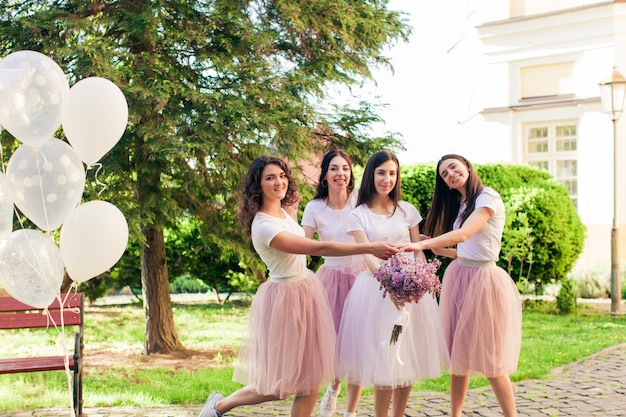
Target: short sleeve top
x=279, y=264
x=330, y=224
x=485, y=244
x=393, y=229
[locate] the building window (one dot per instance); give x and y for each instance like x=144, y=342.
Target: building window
x=553, y=147
x=546, y=81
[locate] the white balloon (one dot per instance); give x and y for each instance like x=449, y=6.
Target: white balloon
x=6, y=208
x=31, y=267
x=93, y=238
x=46, y=182
x=95, y=117
x=33, y=91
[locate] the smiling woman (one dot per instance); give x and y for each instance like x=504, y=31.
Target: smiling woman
x=480, y=305
x=326, y=215
x=367, y=357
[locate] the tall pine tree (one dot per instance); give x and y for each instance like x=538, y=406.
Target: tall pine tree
x=210, y=86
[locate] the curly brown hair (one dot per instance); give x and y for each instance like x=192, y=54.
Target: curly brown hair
x=251, y=194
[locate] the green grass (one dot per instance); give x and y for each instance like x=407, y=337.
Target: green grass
x=549, y=340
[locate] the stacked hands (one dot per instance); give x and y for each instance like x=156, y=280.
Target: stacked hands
x=385, y=250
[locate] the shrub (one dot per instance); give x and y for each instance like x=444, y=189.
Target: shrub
x=186, y=284
x=418, y=186
x=543, y=234
x=566, y=298
x=545, y=213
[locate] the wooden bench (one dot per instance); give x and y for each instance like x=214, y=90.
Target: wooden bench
x=16, y=315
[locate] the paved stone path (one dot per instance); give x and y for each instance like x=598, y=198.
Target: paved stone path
x=594, y=386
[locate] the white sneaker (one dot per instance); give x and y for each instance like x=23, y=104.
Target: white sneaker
x=209, y=407
x=329, y=403
x=348, y=414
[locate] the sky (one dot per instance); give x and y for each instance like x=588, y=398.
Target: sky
x=415, y=91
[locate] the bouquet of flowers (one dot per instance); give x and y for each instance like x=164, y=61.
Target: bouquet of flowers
x=407, y=279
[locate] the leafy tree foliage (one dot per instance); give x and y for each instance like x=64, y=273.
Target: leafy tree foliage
x=204, y=259
x=210, y=85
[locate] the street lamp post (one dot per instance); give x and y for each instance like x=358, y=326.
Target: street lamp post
x=612, y=93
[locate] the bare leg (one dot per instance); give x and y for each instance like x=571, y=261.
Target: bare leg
x=303, y=405
x=458, y=390
x=243, y=396
x=335, y=384
x=400, y=399
x=353, y=397
x=503, y=389
x=382, y=399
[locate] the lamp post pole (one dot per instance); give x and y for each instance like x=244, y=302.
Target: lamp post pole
x=612, y=94
x=616, y=287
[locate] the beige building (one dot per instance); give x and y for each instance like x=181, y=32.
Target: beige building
x=526, y=90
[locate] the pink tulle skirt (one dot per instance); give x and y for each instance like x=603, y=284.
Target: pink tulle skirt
x=364, y=353
x=289, y=347
x=481, y=314
x=338, y=280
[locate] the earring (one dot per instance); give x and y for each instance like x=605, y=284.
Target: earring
x=324, y=183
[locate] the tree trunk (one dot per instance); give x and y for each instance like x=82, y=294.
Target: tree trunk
x=161, y=334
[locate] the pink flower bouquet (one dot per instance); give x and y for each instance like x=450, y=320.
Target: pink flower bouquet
x=408, y=279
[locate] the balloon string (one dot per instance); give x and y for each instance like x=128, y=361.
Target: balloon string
x=17, y=214
x=95, y=177
x=64, y=344
x=40, y=177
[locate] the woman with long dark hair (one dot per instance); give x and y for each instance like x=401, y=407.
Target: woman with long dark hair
x=480, y=305
x=366, y=355
x=327, y=215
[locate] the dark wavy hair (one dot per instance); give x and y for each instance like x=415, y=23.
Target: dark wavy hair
x=251, y=194
x=367, y=190
x=321, y=191
x=445, y=204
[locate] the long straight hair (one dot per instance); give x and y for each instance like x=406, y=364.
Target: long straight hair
x=367, y=190
x=446, y=202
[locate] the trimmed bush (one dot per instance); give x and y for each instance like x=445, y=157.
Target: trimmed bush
x=566, y=299
x=543, y=234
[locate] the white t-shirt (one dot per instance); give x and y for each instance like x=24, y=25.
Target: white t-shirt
x=485, y=244
x=392, y=229
x=331, y=225
x=279, y=264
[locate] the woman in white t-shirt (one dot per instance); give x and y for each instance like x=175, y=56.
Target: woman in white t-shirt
x=365, y=354
x=327, y=214
x=480, y=306
x=289, y=348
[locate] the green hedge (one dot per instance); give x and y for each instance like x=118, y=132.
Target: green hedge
x=543, y=235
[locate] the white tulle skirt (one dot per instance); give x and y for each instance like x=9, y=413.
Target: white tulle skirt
x=364, y=353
